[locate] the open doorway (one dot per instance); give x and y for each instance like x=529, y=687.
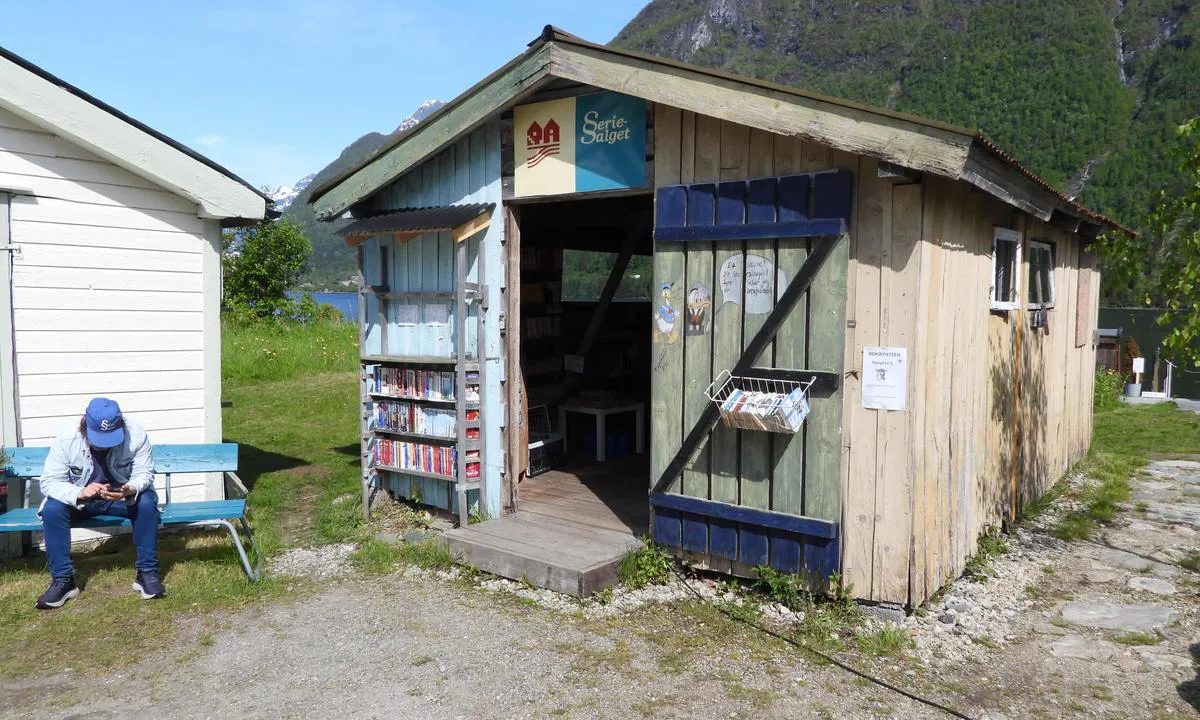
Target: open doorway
x=586, y=272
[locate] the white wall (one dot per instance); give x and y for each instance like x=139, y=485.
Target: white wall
x=109, y=296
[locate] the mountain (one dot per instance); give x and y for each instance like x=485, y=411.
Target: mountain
x=1087, y=93
x=284, y=195
x=332, y=265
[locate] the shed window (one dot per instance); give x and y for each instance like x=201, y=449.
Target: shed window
x=1006, y=259
x=1041, y=274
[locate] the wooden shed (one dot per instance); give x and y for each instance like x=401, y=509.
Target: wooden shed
x=110, y=269
x=868, y=336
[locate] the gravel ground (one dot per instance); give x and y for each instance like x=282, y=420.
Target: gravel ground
x=1046, y=636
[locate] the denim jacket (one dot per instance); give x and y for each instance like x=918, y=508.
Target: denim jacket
x=70, y=466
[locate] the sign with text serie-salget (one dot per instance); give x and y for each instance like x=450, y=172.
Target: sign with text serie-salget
x=579, y=144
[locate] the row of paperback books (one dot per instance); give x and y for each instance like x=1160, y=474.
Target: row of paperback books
x=408, y=417
x=421, y=384
x=403, y=455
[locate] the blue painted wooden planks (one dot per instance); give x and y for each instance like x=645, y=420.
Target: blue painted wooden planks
x=27, y=520
x=792, y=206
x=746, y=536
x=208, y=457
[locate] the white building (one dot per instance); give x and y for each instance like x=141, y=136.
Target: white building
x=110, y=272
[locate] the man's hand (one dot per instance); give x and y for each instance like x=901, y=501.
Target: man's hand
x=119, y=494
x=91, y=492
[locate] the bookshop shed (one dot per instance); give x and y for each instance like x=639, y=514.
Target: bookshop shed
x=607, y=294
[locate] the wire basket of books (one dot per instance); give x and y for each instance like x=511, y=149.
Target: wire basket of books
x=754, y=403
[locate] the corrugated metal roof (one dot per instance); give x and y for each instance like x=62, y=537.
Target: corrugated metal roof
x=416, y=220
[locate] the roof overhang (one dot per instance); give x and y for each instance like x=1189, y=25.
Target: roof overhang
x=41, y=98
x=461, y=221
x=901, y=140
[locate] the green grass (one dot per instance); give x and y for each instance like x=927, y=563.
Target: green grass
x=280, y=350
x=884, y=641
x=303, y=479
x=1137, y=638
x=1125, y=439
x=648, y=565
x=991, y=545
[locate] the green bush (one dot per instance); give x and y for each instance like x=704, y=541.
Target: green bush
x=260, y=263
x=1106, y=391
x=648, y=565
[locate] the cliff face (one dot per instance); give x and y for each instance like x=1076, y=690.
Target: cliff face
x=1086, y=92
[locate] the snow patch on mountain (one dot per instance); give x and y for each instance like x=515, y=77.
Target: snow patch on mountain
x=425, y=110
x=285, y=194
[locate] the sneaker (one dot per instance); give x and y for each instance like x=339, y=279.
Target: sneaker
x=60, y=591
x=149, y=585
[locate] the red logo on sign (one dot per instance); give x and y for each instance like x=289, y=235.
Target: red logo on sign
x=542, y=141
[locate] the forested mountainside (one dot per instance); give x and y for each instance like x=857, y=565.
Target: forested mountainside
x=1087, y=93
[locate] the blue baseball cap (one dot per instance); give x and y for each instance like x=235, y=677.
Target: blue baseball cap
x=105, y=426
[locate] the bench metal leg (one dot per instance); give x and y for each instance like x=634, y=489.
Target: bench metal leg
x=253, y=573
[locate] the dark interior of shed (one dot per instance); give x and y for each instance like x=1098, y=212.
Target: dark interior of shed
x=586, y=293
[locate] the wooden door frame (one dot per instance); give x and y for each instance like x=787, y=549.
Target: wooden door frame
x=10, y=417
x=516, y=414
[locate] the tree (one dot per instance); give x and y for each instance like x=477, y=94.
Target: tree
x=1161, y=267
x=261, y=262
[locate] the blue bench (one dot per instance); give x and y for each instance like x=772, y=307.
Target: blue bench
x=27, y=462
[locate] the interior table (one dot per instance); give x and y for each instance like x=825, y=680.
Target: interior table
x=600, y=412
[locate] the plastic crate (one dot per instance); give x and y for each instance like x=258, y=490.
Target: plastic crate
x=545, y=446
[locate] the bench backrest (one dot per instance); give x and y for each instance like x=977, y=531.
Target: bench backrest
x=27, y=462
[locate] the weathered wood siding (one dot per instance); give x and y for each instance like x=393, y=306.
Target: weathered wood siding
x=116, y=292
x=997, y=411
x=798, y=475
x=466, y=172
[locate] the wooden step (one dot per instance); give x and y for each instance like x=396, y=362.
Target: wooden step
x=548, y=552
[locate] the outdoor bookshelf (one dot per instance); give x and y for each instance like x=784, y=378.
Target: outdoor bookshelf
x=421, y=415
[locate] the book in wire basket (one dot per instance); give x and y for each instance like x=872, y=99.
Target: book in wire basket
x=755, y=403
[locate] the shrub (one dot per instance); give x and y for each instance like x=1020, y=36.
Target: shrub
x=261, y=263
x=1132, y=350
x=784, y=588
x=1106, y=392
x=648, y=565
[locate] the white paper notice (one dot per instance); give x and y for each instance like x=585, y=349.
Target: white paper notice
x=885, y=378
x=408, y=314
x=1139, y=365
x=760, y=275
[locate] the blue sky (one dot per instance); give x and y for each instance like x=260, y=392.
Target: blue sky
x=274, y=89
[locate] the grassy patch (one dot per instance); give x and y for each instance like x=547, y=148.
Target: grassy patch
x=1125, y=438
x=648, y=565
x=303, y=476
x=202, y=576
x=991, y=544
x=884, y=641
x=253, y=351
x=784, y=588
x=1137, y=638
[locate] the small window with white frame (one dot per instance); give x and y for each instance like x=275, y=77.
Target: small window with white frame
x=1041, y=274
x=1006, y=260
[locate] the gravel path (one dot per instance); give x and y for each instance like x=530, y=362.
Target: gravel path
x=1047, y=636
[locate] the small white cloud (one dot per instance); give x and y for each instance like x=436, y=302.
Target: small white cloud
x=210, y=140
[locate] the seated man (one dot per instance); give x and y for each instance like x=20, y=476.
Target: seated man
x=103, y=466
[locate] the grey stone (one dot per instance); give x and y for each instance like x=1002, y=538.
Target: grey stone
x=1081, y=648
x=440, y=525
x=418, y=536
x=1115, y=616
x=1130, y=561
x=1153, y=585
x=1130, y=664
x=947, y=618
x=993, y=715
x=958, y=606
x=389, y=538
x=886, y=611
x=1048, y=629
x=1097, y=577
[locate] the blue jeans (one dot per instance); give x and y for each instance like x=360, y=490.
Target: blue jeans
x=58, y=517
